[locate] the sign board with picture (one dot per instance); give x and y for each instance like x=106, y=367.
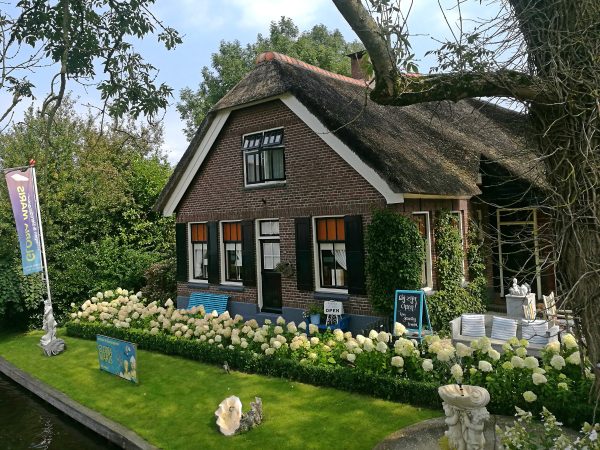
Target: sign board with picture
x=410, y=309
x=117, y=357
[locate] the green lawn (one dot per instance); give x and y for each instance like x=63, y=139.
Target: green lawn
x=173, y=406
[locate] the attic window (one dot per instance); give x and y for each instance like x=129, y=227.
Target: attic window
x=264, y=157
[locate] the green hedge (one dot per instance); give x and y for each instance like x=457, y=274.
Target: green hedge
x=343, y=378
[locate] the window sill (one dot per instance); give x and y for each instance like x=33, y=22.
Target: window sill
x=337, y=296
x=265, y=185
x=195, y=284
x=231, y=287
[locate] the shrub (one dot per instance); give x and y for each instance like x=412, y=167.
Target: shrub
x=402, y=370
x=20, y=296
x=447, y=305
x=395, y=255
x=161, y=280
x=449, y=251
x=475, y=260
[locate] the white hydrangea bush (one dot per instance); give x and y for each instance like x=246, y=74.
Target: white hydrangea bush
x=513, y=377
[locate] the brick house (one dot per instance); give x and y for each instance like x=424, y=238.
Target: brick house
x=288, y=167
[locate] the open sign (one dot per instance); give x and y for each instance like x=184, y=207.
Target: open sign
x=333, y=308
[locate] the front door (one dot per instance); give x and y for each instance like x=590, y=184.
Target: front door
x=269, y=259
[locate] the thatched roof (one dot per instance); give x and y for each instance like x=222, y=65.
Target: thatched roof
x=429, y=149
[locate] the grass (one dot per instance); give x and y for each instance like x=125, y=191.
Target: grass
x=173, y=406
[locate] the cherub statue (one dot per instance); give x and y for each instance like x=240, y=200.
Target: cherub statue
x=49, y=343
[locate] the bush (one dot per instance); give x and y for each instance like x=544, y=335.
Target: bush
x=161, y=280
x=452, y=299
x=20, y=296
x=475, y=260
x=395, y=255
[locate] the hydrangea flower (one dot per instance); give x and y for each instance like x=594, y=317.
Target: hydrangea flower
x=462, y=350
x=517, y=362
x=564, y=386
x=494, y=354
x=529, y=396
x=351, y=357
x=485, y=366
x=427, y=365
x=558, y=362
x=569, y=341
x=531, y=362
x=399, y=329
x=381, y=347
x=457, y=372
x=397, y=361
x=538, y=379
x=521, y=352
x=574, y=358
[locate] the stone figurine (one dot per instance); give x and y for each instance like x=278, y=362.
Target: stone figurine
x=517, y=290
x=49, y=342
x=231, y=420
x=253, y=417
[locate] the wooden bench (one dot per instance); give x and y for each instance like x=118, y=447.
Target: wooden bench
x=210, y=302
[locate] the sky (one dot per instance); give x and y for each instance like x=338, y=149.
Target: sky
x=204, y=23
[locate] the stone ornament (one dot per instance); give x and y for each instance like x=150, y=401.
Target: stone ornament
x=466, y=415
x=49, y=342
x=517, y=290
x=229, y=415
x=230, y=419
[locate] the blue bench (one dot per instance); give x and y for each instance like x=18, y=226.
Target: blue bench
x=211, y=302
x=342, y=324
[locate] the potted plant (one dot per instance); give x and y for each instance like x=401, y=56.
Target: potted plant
x=314, y=312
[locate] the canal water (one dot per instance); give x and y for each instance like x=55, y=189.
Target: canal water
x=26, y=422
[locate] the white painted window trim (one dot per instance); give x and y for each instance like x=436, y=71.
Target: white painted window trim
x=428, y=253
x=264, y=183
x=317, y=261
x=222, y=261
x=191, y=278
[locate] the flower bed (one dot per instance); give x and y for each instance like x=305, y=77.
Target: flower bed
x=397, y=369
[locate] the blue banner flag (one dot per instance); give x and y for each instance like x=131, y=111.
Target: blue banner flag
x=117, y=357
x=22, y=192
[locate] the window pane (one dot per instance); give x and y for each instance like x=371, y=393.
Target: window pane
x=200, y=261
x=267, y=166
x=233, y=261
x=251, y=168
x=266, y=228
x=331, y=230
x=341, y=235
x=327, y=267
x=321, y=230
x=277, y=163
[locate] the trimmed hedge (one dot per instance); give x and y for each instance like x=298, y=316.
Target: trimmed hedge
x=343, y=378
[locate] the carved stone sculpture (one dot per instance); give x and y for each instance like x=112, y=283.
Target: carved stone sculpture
x=253, y=417
x=466, y=415
x=49, y=343
x=228, y=415
x=522, y=290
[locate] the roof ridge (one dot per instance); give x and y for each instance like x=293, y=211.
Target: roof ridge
x=269, y=56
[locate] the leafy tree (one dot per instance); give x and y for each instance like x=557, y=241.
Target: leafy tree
x=395, y=256
x=318, y=46
x=83, y=40
x=96, y=194
x=554, y=68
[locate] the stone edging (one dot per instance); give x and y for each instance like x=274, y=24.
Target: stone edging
x=96, y=422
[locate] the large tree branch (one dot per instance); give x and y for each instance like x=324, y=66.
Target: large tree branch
x=395, y=88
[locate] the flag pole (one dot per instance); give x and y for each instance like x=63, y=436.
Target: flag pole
x=39, y=220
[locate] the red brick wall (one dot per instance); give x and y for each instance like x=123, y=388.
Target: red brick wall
x=318, y=183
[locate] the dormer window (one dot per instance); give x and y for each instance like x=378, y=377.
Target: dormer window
x=263, y=157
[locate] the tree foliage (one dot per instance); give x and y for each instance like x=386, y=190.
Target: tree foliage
x=96, y=194
x=317, y=46
x=395, y=256
x=83, y=40
x=549, y=58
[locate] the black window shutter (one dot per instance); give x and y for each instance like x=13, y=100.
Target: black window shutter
x=304, y=257
x=355, y=254
x=181, y=251
x=248, y=253
x=213, y=252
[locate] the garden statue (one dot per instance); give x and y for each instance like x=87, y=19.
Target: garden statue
x=522, y=290
x=231, y=420
x=466, y=415
x=49, y=343
x=252, y=417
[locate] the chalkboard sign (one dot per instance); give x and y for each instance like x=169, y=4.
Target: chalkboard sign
x=410, y=309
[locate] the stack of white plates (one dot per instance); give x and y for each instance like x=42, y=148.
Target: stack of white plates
x=473, y=325
x=503, y=328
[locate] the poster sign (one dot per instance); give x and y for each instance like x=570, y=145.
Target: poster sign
x=117, y=357
x=22, y=192
x=333, y=308
x=410, y=309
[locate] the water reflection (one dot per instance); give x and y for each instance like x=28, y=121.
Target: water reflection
x=28, y=423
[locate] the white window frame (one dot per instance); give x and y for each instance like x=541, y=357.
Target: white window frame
x=316, y=257
x=428, y=253
x=259, y=238
x=222, y=255
x=191, y=278
x=264, y=183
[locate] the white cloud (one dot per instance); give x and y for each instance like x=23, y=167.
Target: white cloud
x=257, y=14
